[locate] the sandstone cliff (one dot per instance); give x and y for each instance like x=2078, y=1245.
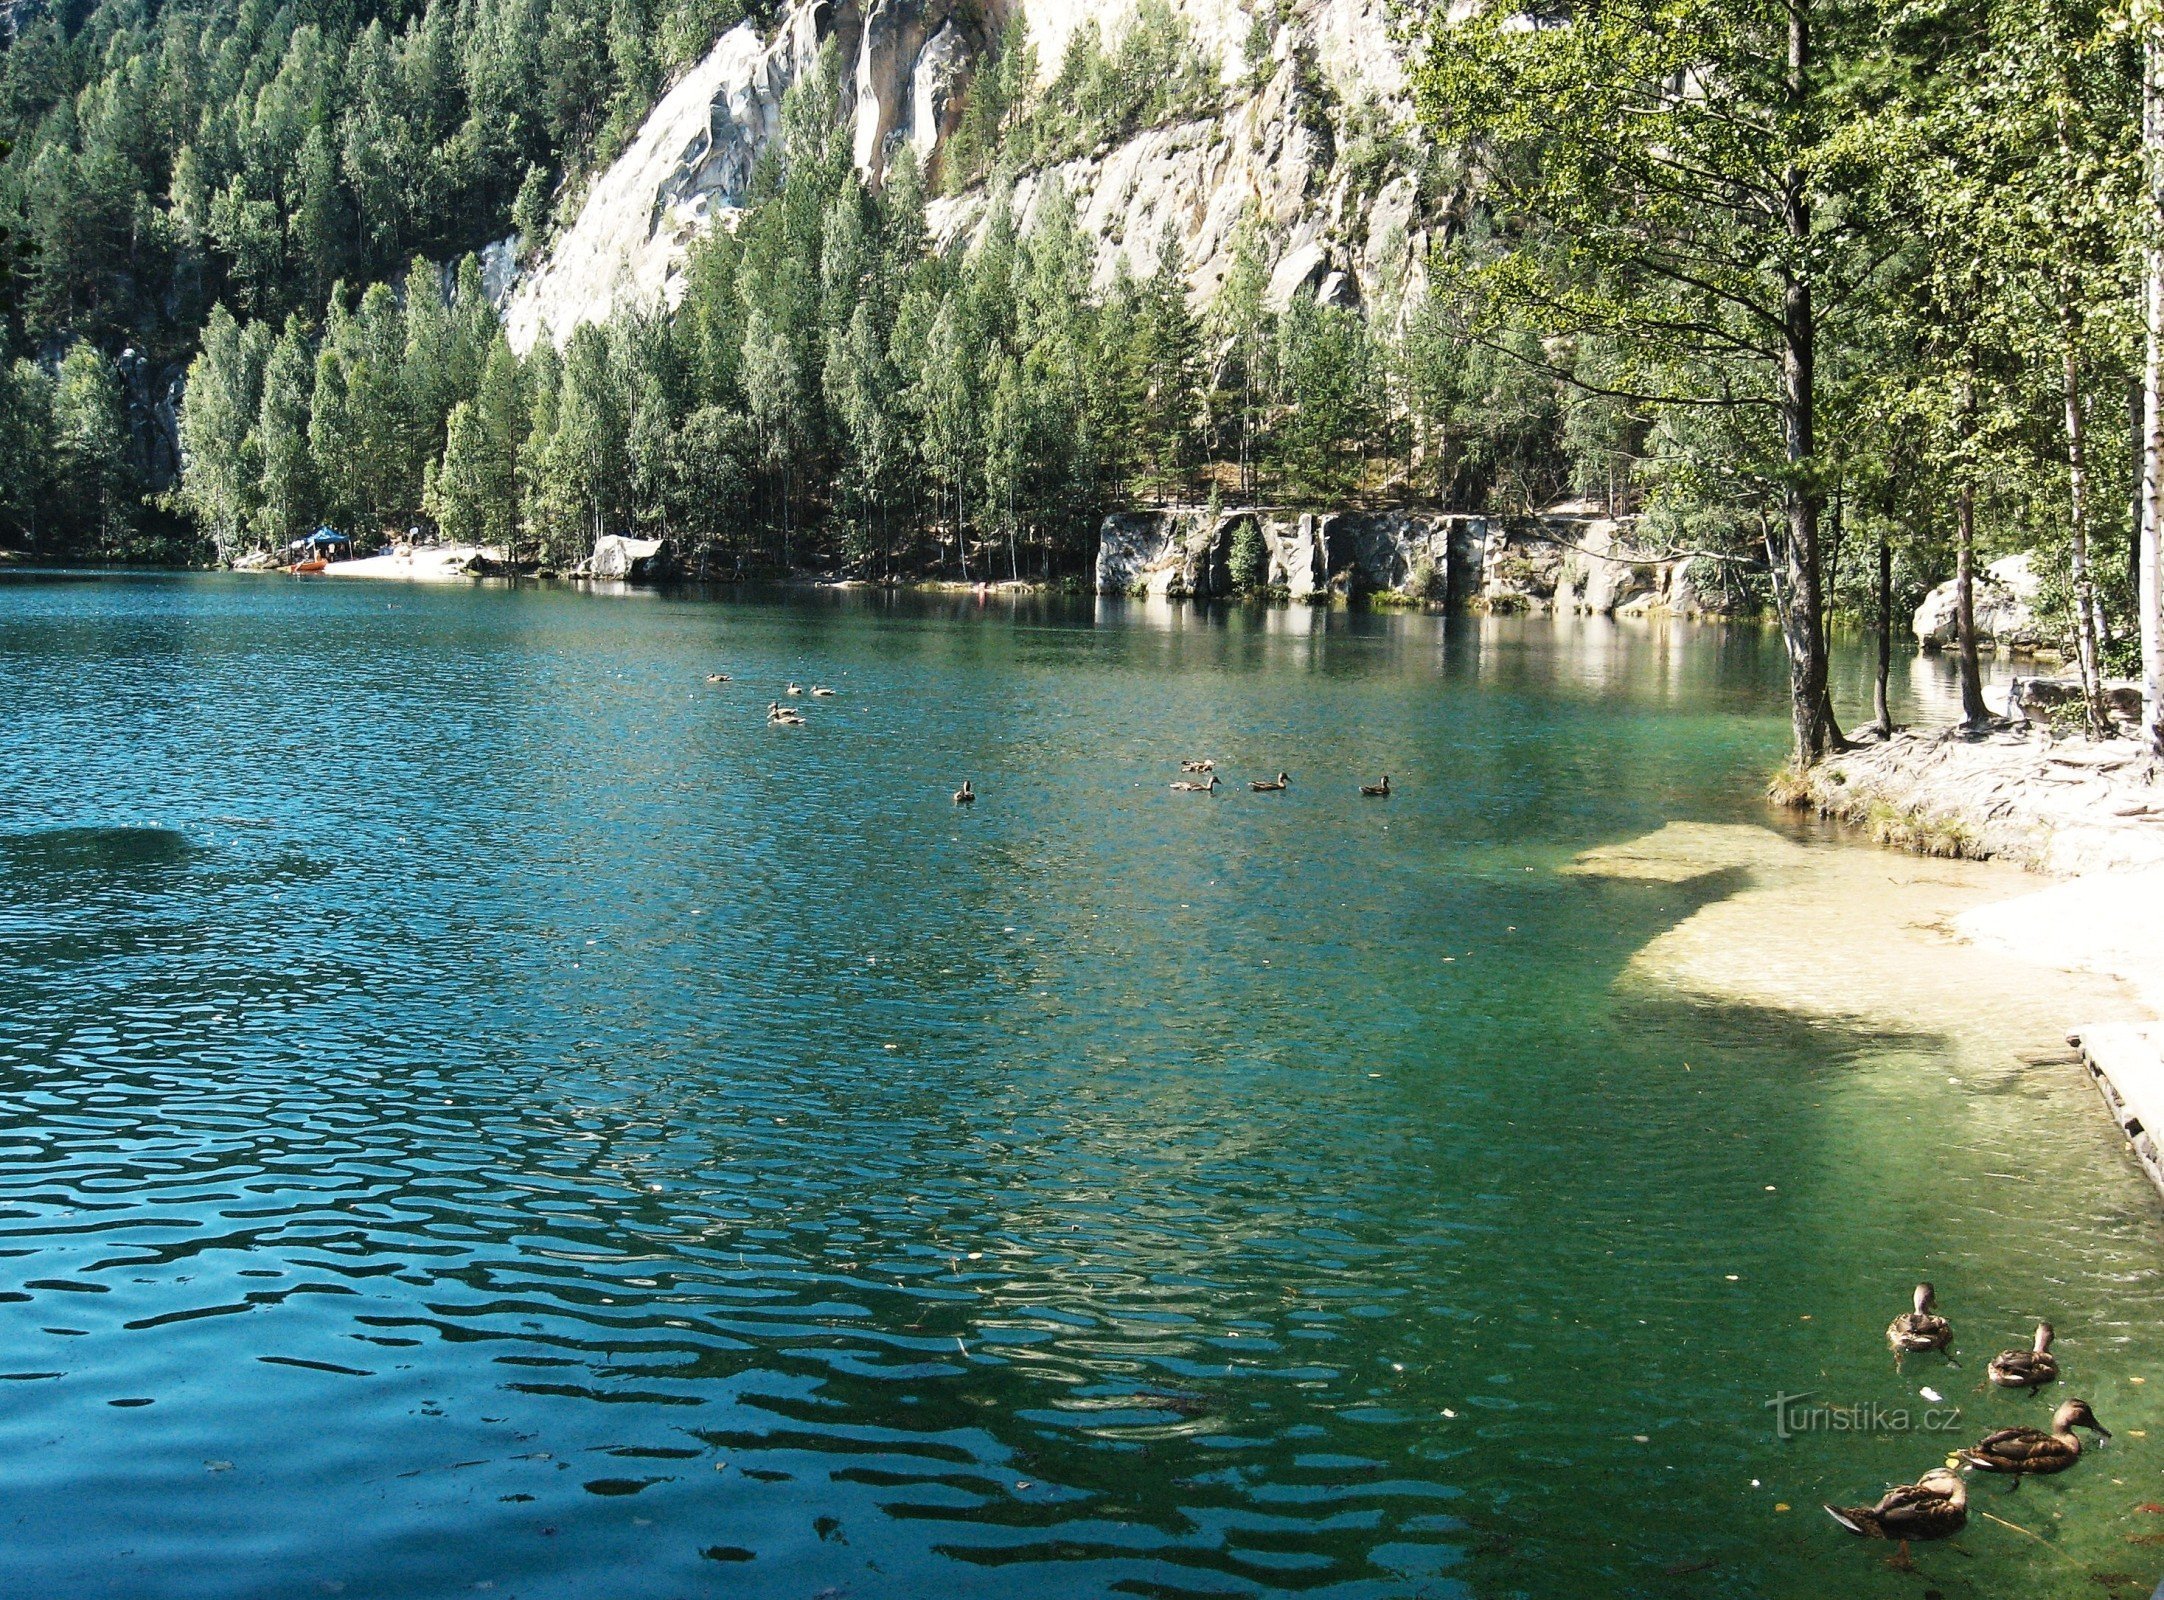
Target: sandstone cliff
x=1311, y=129
x=1571, y=559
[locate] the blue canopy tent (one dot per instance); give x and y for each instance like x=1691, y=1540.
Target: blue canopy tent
x=322, y=542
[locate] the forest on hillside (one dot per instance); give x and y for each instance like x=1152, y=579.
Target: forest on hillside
x=1845, y=295
x=882, y=406
x=166, y=159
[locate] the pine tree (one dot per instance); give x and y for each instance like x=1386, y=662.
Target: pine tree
x=286, y=504
x=89, y=444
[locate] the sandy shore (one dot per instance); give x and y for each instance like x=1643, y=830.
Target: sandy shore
x=2087, y=812
x=1896, y=942
x=428, y=564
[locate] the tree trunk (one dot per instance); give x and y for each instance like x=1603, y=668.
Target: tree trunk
x=2077, y=480
x=1973, y=710
x=2152, y=451
x=1881, y=706
x=1802, y=624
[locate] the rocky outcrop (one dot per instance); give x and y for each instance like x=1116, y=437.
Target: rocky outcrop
x=1566, y=560
x=2043, y=702
x=1191, y=554
x=1575, y=559
x=1347, y=232
x=2058, y=806
x=618, y=556
x=2006, y=594
x=690, y=162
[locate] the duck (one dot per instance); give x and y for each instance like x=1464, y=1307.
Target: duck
x=796, y=688
x=965, y=796
x=2025, y=1450
x=1935, y=1506
x=2026, y=1369
x=1921, y=1329
x=717, y=677
x=1380, y=791
x=778, y=715
x=1198, y=766
x=1184, y=787
x=821, y=691
x=1266, y=785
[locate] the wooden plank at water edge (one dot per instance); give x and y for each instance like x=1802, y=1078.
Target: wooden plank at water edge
x=2127, y=1061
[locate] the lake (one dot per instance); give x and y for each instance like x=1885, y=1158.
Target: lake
x=480, y=1112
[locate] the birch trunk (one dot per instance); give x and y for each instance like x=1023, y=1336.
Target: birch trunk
x=1802, y=623
x=1973, y=710
x=2152, y=427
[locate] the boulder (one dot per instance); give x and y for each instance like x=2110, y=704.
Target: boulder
x=2006, y=594
x=618, y=557
x=2042, y=701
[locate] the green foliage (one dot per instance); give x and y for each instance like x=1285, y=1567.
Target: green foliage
x=1249, y=559
x=1157, y=71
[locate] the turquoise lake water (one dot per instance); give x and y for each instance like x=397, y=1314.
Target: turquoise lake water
x=482, y=1113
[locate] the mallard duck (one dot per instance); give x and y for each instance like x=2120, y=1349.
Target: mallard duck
x=717, y=677
x=1266, y=786
x=2026, y=1450
x=821, y=690
x=796, y=688
x=965, y=796
x=1380, y=791
x=2026, y=1369
x=1184, y=787
x=1935, y=1506
x=1198, y=766
x=1920, y=1329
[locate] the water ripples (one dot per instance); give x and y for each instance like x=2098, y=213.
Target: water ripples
x=513, y=1120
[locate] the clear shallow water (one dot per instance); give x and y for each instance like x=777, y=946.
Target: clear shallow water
x=479, y=1108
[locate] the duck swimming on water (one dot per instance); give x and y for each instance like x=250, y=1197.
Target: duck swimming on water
x=1266, y=786
x=1198, y=766
x=1920, y=1329
x=1379, y=791
x=965, y=796
x=1935, y=1506
x=2026, y=1369
x=2026, y=1450
x=1184, y=787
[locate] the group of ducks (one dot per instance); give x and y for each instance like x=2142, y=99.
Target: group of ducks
x=777, y=714
x=1936, y=1506
x=1204, y=780
x=781, y=716
x=1276, y=785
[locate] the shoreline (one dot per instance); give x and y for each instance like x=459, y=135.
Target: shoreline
x=2065, y=808
x=2088, y=814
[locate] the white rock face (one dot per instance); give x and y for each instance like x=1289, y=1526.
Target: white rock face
x=2006, y=593
x=691, y=159
x=1364, y=240
x=906, y=66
